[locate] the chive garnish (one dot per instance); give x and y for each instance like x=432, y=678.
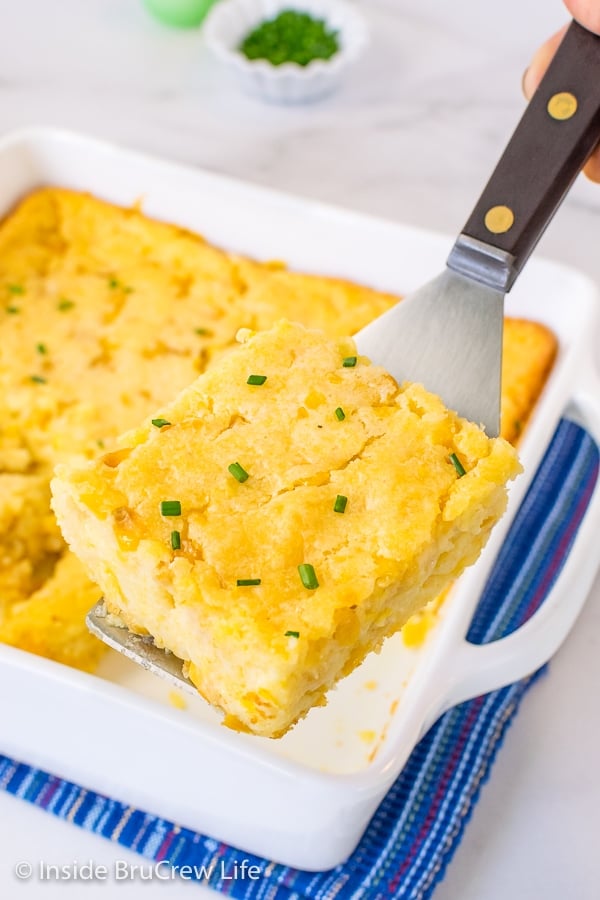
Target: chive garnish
x=15, y=289
x=518, y=425
x=170, y=508
x=308, y=576
x=38, y=379
x=158, y=423
x=114, y=283
x=100, y=443
x=176, y=540
x=340, y=503
x=460, y=469
x=349, y=362
x=202, y=331
x=340, y=414
x=41, y=348
x=295, y=634
x=238, y=472
x=291, y=36
x=64, y=304
x=247, y=582
x=256, y=379
x=13, y=310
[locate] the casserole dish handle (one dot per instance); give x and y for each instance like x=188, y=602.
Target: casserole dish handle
x=480, y=668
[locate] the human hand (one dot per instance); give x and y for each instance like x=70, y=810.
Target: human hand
x=587, y=13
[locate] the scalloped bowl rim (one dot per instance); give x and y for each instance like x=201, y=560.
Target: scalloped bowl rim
x=346, y=54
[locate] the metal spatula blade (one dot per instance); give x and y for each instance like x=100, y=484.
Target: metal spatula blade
x=138, y=648
x=448, y=336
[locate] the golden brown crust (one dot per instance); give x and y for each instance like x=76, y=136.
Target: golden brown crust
x=528, y=356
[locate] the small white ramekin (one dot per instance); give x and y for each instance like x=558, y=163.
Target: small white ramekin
x=231, y=20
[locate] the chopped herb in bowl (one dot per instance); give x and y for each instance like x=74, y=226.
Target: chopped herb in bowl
x=287, y=51
x=291, y=37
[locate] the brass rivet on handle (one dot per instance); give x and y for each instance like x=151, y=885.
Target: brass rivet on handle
x=562, y=106
x=499, y=219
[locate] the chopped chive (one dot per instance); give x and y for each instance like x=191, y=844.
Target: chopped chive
x=295, y=634
x=15, y=289
x=176, y=540
x=460, y=469
x=13, y=310
x=238, y=472
x=38, y=379
x=170, y=508
x=100, y=443
x=292, y=36
x=308, y=576
x=340, y=414
x=247, y=582
x=202, y=331
x=349, y=362
x=158, y=423
x=64, y=304
x=41, y=348
x=256, y=379
x=114, y=283
x=340, y=503
x=518, y=426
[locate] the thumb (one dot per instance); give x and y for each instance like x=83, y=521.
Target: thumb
x=586, y=12
x=541, y=61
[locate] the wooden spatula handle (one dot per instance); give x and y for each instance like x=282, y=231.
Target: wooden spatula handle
x=557, y=133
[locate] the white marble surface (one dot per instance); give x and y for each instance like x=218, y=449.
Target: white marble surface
x=412, y=136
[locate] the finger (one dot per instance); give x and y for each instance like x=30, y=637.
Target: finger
x=592, y=167
x=540, y=62
x=587, y=13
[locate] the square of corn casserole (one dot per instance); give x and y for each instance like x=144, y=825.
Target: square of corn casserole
x=288, y=511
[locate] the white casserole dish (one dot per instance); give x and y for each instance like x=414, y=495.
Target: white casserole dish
x=306, y=799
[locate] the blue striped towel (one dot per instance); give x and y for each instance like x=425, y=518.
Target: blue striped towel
x=418, y=826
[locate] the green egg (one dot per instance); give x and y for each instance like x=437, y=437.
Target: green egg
x=179, y=13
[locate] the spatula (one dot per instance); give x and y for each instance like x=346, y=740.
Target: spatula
x=448, y=334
